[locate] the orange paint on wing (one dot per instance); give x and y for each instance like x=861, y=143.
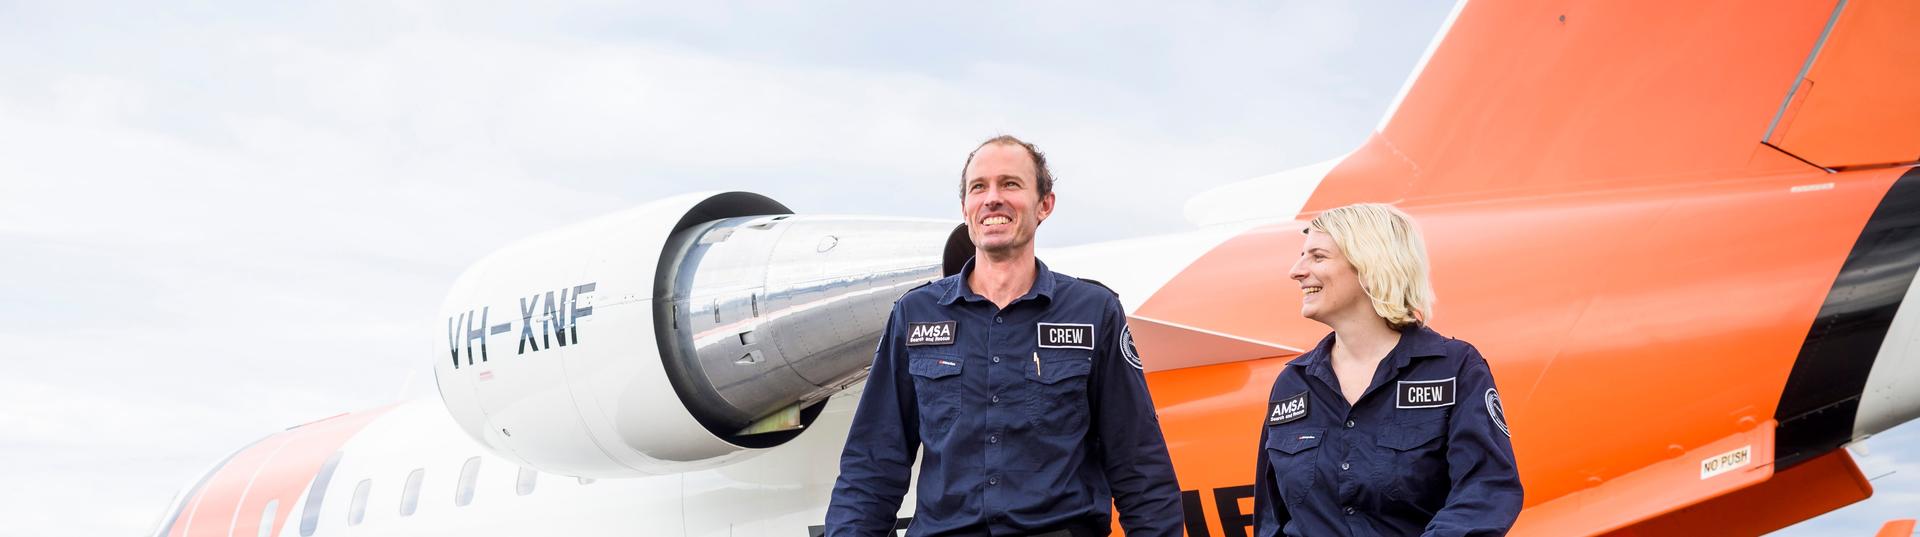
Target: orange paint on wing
x=1820, y=485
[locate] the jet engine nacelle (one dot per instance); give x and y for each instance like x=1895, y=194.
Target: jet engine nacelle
x=683, y=334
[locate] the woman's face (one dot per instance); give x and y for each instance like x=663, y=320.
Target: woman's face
x=1329, y=287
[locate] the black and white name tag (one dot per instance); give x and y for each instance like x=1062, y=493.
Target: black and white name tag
x=1286, y=410
x=1426, y=393
x=1066, y=335
x=937, y=333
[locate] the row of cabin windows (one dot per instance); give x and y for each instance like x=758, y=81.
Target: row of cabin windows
x=409, y=494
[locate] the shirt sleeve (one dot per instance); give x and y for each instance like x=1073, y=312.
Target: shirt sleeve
x=1485, y=497
x=1132, y=450
x=876, y=464
x=1269, y=507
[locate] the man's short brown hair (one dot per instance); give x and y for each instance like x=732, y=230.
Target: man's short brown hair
x=1043, y=178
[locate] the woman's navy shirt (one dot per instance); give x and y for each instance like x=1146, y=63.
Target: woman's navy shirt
x=1424, y=451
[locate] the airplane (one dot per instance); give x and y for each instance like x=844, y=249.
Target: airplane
x=1683, y=234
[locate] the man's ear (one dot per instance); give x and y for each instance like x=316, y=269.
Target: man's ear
x=1046, y=206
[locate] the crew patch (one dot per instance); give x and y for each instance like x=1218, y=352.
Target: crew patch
x=1425, y=393
x=1499, y=414
x=1065, y=335
x=1286, y=410
x=1126, y=347
x=935, y=333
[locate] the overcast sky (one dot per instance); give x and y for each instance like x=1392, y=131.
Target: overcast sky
x=220, y=219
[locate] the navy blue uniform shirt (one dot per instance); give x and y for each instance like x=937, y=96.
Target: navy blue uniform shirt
x=1424, y=451
x=1035, y=417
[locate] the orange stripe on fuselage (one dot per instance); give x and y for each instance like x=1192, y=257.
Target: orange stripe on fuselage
x=215, y=506
x=278, y=468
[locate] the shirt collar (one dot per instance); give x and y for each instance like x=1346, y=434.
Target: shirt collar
x=1043, y=285
x=1419, y=342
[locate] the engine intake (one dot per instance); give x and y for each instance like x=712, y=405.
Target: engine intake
x=683, y=334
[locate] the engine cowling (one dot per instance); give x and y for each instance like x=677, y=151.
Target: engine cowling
x=683, y=334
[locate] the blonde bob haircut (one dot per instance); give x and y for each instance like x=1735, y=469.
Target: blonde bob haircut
x=1385, y=248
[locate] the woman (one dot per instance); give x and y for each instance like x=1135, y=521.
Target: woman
x=1385, y=427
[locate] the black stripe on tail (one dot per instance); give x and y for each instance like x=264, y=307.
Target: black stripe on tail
x=1822, y=395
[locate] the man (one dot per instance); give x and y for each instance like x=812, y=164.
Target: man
x=1021, y=383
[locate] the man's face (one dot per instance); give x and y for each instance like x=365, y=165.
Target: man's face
x=1002, y=205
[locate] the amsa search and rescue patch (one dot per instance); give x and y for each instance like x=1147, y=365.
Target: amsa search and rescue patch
x=1286, y=410
x=1127, y=350
x=1065, y=335
x=1497, y=413
x=1426, y=393
x=935, y=333
x=1726, y=462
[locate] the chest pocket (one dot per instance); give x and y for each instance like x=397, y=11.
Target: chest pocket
x=1418, y=448
x=1291, y=453
x=1056, y=390
x=937, y=386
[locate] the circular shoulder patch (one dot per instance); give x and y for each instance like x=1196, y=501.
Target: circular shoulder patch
x=1126, y=347
x=1498, y=414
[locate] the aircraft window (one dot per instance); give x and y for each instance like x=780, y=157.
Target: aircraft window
x=463, y=495
x=316, y=494
x=585, y=480
x=358, y=511
x=266, y=518
x=410, y=497
x=525, y=485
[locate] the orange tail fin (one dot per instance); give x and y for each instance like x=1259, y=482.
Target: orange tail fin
x=1542, y=98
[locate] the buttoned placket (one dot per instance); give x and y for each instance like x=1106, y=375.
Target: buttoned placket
x=1345, y=442
x=1338, y=443
x=996, y=383
x=1004, y=347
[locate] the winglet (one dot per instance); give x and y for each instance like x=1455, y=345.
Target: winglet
x=1897, y=528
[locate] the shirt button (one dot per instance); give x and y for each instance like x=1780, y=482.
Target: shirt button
x=993, y=439
x=994, y=399
x=996, y=359
x=1349, y=424
x=996, y=320
x=995, y=480
x=1349, y=510
x=1344, y=466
